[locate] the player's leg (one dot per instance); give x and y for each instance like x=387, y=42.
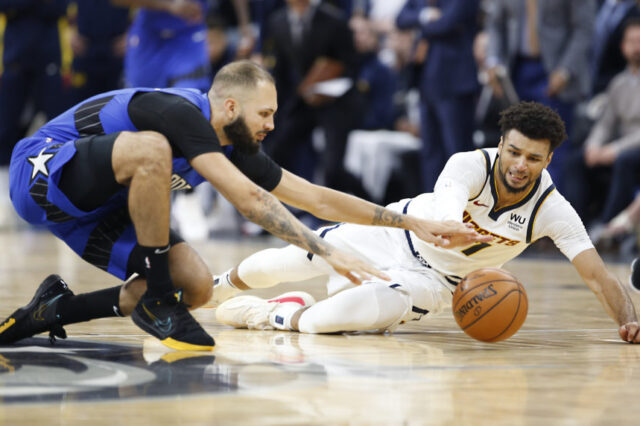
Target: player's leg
x=143, y=162
x=188, y=273
x=268, y=268
x=88, y=181
x=373, y=306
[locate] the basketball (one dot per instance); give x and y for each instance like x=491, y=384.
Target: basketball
x=490, y=304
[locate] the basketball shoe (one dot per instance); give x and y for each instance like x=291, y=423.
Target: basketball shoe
x=263, y=314
x=167, y=318
x=39, y=315
x=634, y=279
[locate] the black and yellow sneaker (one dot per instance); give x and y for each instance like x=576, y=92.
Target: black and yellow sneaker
x=168, y=319
x=39, y=315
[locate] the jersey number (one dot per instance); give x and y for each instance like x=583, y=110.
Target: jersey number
x=469, y=251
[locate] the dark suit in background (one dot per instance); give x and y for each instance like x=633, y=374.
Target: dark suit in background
x=606, y=59
x=564, y=32
x=448, y=84
x=292, y=50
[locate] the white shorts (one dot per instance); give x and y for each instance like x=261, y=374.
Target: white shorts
x=388, y=250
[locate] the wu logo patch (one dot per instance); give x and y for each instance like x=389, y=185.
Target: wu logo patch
x=518, y=219
x=39, y=163
x=516, y=222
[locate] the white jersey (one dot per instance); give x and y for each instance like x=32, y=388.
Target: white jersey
x=466, y=190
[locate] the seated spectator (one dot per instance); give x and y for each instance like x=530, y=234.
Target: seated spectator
x=613, y=144
x=606, y=59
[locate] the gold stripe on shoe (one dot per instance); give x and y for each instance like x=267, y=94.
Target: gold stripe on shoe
x=182, y=346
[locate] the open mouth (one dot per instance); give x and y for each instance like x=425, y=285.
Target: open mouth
x=517, y=178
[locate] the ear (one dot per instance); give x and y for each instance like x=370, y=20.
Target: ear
x=230, y=108
x=500, y=144
x=549, y=157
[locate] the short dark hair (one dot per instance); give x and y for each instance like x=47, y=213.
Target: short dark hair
x=535, y=121
x=243, y=74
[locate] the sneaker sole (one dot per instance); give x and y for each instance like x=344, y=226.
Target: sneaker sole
x=182, y=346
x=169, y=341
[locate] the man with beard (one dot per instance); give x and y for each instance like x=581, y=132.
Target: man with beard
x=99, y=177
x=505, y=193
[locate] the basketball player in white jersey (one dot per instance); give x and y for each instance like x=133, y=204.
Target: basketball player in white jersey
x=504, y=192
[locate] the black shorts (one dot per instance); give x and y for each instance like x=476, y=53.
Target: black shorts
x=89, y=182
x=87, y=179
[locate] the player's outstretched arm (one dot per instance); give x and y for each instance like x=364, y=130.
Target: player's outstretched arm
x=260, y=207
x=610, y=292
x=337, y=206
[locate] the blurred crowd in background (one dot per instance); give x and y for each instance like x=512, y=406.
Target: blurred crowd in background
x=374, y=95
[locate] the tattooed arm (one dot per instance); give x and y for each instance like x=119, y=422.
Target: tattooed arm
x=337, y=206
x=260, y=207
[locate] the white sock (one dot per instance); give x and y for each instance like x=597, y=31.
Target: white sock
x=223, y=288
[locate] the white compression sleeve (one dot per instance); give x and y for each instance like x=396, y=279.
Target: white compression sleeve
x=269, y=267
x=368, y=307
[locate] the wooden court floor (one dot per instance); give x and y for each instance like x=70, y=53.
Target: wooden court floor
x=566, y=366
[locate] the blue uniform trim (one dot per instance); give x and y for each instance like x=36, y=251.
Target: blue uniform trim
x=414, y=308
x=487, y=163
x=534, y=212
x=322, y=234
x=87, y=116
x=451, y=279
x=103, y=237
x=38, y=192
x=419, y=310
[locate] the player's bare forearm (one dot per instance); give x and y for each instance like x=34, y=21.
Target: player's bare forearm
x=269, y=213
x=617, y=301
x=606, y=286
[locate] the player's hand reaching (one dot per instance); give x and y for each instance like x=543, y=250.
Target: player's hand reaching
x=630, y=332
x=352, y=267
x=447, y=234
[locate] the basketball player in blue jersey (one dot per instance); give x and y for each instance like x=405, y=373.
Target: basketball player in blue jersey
x=99, y=177
x=166, y=44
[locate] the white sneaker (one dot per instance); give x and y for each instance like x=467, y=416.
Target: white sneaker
x=262, y=314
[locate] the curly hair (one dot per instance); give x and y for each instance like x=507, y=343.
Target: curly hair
x=535, y=121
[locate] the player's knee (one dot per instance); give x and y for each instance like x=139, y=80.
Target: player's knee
x=145, y=153
x=157, y=152
x=199, y=292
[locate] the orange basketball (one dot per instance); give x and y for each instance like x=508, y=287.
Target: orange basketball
x=490, y=304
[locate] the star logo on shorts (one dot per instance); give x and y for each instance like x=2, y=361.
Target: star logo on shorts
x=39, y=163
